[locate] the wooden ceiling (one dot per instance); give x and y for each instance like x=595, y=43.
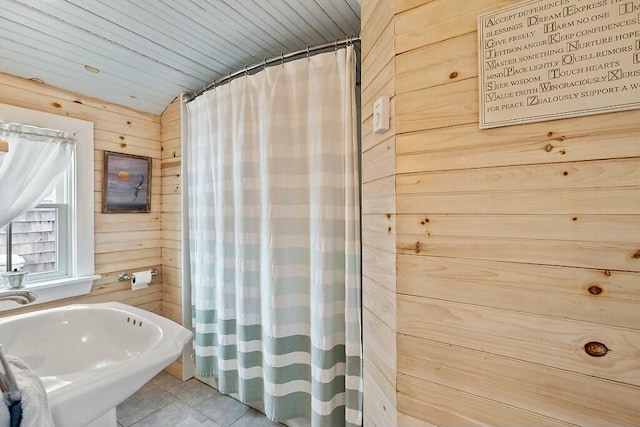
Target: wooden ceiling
x=148, y=51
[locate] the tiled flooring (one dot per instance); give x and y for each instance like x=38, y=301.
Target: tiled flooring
x=168, y=402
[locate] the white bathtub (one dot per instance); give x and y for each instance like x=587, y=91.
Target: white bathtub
x=91, y=357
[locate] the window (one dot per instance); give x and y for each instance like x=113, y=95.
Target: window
x=54, y=241
x=40, y=237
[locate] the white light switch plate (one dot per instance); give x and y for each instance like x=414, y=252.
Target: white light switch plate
x=381, y=115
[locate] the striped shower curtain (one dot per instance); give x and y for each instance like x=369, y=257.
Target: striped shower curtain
x=275, y=239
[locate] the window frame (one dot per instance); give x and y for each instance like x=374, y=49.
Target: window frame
x=81, y=265
x=63, y=255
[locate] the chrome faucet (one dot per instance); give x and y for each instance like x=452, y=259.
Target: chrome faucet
x=22, y=297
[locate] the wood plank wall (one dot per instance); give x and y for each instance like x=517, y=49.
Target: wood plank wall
x=123, y=242
x=515, y=246
x=171, y=220
x=378, y=218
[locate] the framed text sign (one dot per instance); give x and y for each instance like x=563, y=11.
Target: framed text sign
x=550, y=59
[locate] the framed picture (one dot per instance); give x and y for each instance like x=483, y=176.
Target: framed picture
x=126, y=183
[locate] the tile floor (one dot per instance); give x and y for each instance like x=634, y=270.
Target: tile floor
x=165, y=401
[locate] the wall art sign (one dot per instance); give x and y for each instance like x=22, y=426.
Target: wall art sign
x=126, y=183
x=551, y=59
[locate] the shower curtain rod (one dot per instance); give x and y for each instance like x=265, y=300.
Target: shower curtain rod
x=276, y=59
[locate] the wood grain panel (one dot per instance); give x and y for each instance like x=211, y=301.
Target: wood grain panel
x=378, y=162
x=379, y=371
x=561, y=134
x=404, y=5
x=523, y=152
x=561, y=304
x=378, y=223
x=90, y=103
x=171, y=221
x=373, y=65
x=171, y=189
x=102, y=119
x=573, y=398
x=123, y=242
x=377, y=15
x=173, y=312
x=380, y=300
x=617, y=285
x=593, y=174
x=379, y=196
x=379, y=410
x=437, y=107
x=434, y=65
x=407, y=421
x=514, y=246
x=522, y=335
x=597, y=201
x=607, y=255
x=583, y=228
x=378, y=232
x=379, y=205
x=379, y=188
x=439, y=20
x=382, y=267
x=445, y=406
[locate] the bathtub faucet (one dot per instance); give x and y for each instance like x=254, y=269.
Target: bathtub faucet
x=22, y=297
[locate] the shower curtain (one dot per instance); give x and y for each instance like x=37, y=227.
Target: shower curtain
x=275, y=239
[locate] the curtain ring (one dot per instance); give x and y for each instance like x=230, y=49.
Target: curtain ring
x=246, y=72
x=265, y=63
x=307, y=51
x=282, y=59
x=336, y=45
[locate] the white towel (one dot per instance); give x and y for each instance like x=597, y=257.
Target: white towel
x=35, y=407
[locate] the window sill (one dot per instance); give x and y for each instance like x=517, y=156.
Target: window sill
x=53, y=290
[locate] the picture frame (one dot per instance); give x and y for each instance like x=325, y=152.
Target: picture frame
x=126, y=183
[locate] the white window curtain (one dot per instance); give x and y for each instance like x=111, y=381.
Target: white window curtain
x=37, y=158
x=274, y=225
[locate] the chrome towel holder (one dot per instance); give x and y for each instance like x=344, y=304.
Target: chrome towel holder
x=123, y=276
